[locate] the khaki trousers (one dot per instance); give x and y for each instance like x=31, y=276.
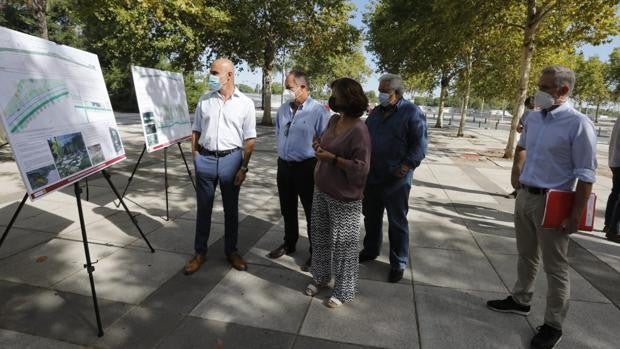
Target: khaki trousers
x=532, y=239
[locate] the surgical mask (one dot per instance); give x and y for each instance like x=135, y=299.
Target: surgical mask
x=214, y=82
x=543, y=100
x=289, y=96
x=384, y=99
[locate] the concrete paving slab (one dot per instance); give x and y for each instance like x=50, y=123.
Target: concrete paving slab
x=587, y=325
x=128, y=276
x=605, y=250
x=303, y=342
x=178, y=236
x=51, y=262
x=19, y=240
x=250, y=298
x=497, y=243
x=454, y=269
x=54, y=314
x=581, y=289
x=274, y=238
x=460, y=319
x=195, y=333
x=116, y=229
x=139, y=328
x=383, y=314
x=467, y=191
x=427, y=231
x=13, y=339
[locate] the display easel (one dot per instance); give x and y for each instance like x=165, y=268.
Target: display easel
x=189, y=172
x=89, y=265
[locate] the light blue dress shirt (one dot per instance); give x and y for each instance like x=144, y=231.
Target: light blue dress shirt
x=561, y=149
x=295, y=133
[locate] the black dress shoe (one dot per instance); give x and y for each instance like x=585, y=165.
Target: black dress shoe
x=395, y=275
x=364, y=257
x=280, y=251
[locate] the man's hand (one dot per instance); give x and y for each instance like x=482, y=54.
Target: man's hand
x=514, y=179
x=402, y=171
x=239, y=177
x=569, y=225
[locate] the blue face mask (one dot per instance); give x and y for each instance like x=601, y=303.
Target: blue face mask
x=384, y=99
x=214, y=82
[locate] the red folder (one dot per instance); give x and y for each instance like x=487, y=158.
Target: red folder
x=558, y=206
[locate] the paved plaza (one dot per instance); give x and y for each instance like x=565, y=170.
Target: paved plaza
x=462, y=253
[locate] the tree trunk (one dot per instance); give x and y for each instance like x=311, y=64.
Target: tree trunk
x=460, y=132
x=598, y=104
x=442, y=96
x=527, y=52
x=267, y=78
x=39, y=9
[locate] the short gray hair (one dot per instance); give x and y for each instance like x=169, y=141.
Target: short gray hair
x=396, y=82
x=563, y=76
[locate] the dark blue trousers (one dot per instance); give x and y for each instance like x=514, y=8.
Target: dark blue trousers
x=210, y=171
x=392, y=196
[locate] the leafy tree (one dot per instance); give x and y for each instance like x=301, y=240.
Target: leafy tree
x=613, y=73
x=259, y=31
x=276, y=88
x=591, y=85
x=549, y=24
x=157, y=34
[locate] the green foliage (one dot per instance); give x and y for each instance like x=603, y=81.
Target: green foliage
x=372, y=97
x=613, y=73
x=260, y=30
x=276, y=88
x=245, y=88
x=195, y=86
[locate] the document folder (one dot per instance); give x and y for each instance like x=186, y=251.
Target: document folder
x=558, y=206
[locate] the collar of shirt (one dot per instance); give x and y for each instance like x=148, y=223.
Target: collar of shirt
x=301, y=106
x=557, y=112
x=236, y=94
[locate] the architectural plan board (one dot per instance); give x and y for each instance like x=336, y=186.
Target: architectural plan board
x=56, y=112
x=163, y=107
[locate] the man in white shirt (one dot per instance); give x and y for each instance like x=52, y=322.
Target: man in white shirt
x=223, y=138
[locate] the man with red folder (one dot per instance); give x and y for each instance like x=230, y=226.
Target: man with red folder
x=557, y=150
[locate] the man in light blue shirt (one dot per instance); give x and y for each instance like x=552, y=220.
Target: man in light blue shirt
x=557, y=150
x=299, y=120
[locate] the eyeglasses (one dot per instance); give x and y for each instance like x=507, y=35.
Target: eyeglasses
x=286, y=128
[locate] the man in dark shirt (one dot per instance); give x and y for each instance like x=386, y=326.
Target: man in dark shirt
x=398, y=133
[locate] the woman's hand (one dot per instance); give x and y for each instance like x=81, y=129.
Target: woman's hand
x=323, y=155
x=316, y=142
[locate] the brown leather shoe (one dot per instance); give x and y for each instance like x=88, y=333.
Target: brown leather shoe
x=237, y=262
x=194, y=264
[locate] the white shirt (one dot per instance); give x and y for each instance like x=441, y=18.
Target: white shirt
x=614, y=145
x=224, y=125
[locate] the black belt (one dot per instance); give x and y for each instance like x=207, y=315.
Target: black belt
x=296, y=163
x=216, y=153
x=534, y=190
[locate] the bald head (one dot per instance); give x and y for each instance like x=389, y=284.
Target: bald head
x=224, y=70
x=222, y=65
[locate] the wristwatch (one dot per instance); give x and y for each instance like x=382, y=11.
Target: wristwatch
x=244, y=169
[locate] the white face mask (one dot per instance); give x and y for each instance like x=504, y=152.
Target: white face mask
x=543, y=100
x=384, y=99
x=289, y=96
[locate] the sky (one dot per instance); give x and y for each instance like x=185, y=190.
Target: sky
x=250, y=78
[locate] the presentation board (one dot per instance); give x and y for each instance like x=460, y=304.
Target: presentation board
x=163, y=107
x=56, y=112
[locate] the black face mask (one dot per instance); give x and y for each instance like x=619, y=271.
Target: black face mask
x=332, y=104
